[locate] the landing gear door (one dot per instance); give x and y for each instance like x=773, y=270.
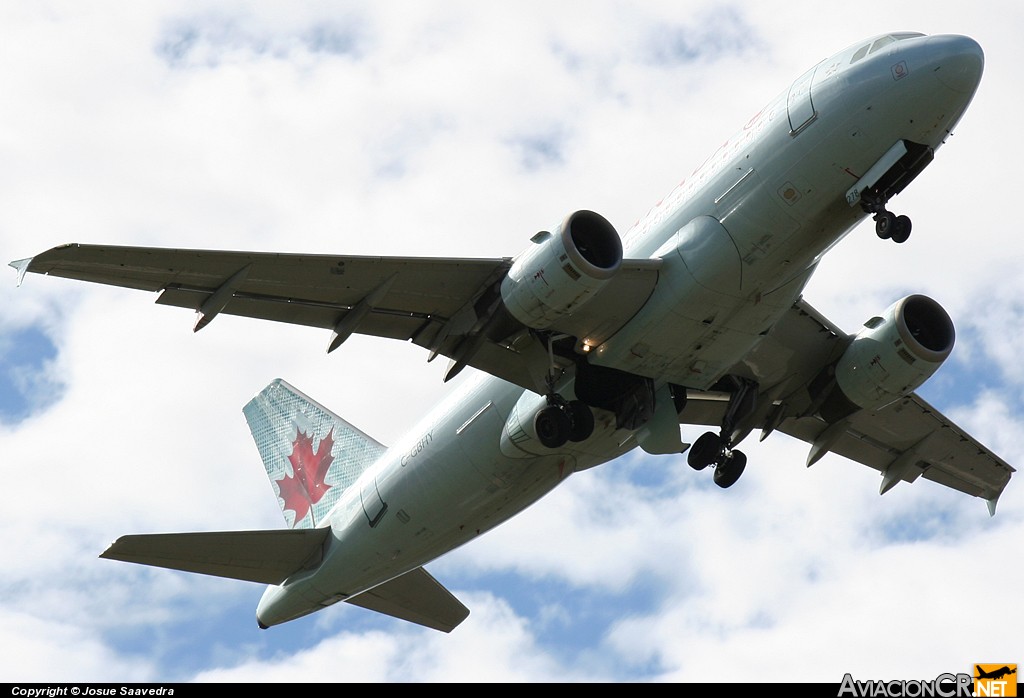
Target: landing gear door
x=799, y=105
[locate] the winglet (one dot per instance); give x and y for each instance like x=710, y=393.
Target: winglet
x=21, y=266
x=991, y=503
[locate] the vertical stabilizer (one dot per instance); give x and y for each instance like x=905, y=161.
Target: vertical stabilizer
x=311, y=454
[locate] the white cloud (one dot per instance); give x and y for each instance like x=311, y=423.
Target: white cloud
x=43, y=651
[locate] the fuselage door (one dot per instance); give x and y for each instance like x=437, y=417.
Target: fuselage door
x=373, y=505
x=799, y=104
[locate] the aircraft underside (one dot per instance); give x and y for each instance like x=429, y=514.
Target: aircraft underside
x=590, y=344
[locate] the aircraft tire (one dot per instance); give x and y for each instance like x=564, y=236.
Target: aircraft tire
x=705, y=450
x=901, y=229
x=551, y=425
x=884, y=223
x=729, y=471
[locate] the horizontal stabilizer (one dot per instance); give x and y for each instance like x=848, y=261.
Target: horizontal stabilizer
x=268, y=557
x=416, y=597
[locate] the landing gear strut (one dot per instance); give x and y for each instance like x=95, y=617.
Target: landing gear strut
x=561, y=420
x=716, y=449
x=887, y=224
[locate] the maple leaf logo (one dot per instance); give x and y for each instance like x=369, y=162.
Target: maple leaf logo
x=305, y=486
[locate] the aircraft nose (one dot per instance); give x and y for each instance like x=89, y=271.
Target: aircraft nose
x=958, y=61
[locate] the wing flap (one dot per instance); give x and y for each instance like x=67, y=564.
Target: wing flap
x=390, y=324
x=415, y=597
x=268, y=557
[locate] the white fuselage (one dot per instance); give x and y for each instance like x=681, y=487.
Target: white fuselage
x=739, y=238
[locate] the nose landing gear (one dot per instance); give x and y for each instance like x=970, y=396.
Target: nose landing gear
x=887, y=224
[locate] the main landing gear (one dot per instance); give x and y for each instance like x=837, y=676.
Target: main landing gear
x=563, y=421
x=712, y=449
x=887, y=224
x=716, y=449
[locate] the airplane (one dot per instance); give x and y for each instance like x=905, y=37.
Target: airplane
x=995, y=674
x=589, y=344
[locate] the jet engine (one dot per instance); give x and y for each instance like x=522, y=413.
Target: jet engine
x=562, y=270
x=891, y=356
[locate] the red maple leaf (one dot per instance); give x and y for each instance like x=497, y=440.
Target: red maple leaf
x=305, y=486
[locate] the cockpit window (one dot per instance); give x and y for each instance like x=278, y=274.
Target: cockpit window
x=881, y=42
x=884, y=41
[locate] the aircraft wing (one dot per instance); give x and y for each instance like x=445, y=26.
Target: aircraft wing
x=904, y=440
x=446, y=305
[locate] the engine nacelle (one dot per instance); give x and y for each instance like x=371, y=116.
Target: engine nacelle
x=892, y=356
x=519, y=437
x=562, y=270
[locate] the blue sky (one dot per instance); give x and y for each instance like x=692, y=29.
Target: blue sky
x=461, y=129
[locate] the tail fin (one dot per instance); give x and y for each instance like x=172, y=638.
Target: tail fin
x=311, y=454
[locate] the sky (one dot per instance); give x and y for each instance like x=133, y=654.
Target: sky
x=460, y=129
